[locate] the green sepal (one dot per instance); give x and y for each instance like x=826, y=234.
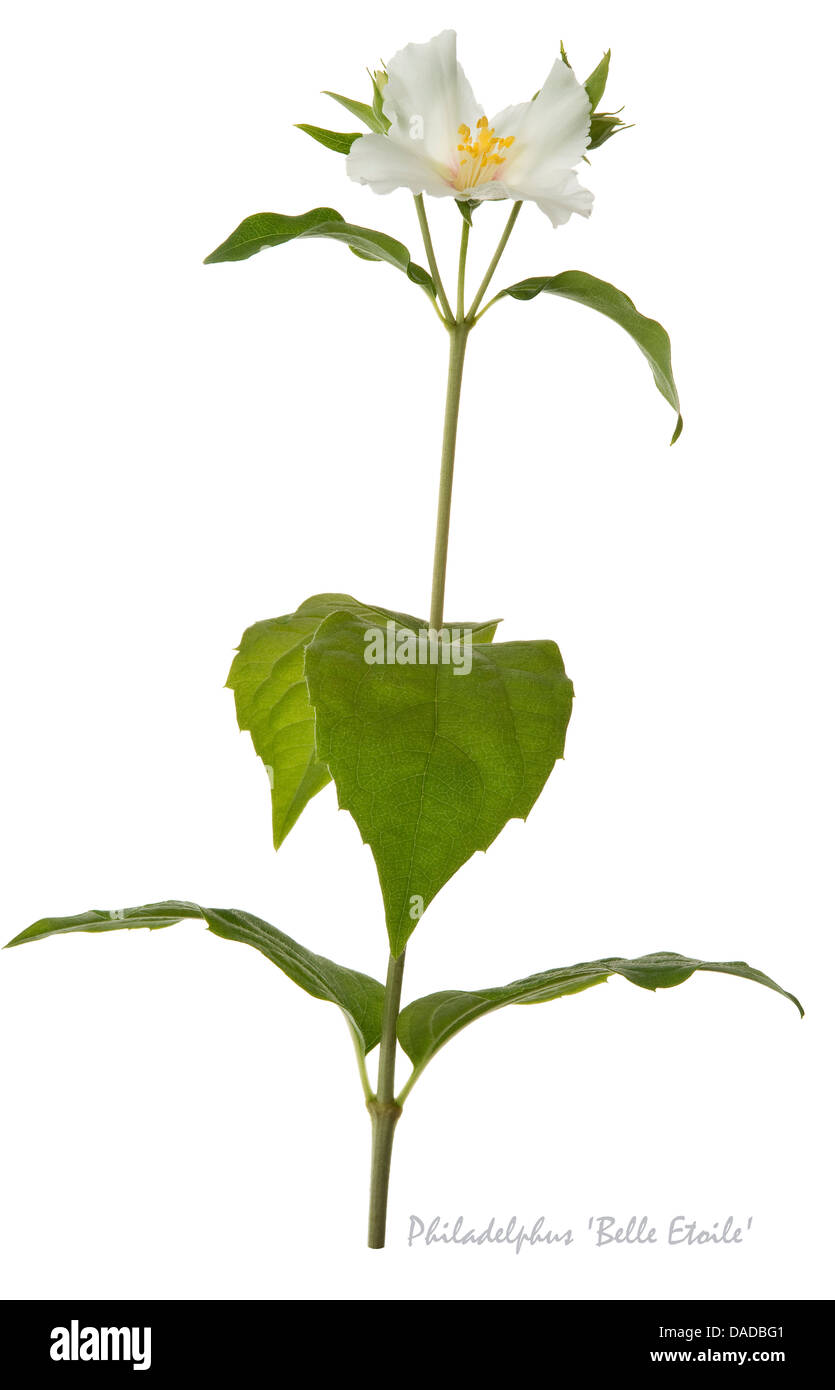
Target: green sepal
x=378, y=81
x=603, y=127
x=466, y=207
x=595, y=83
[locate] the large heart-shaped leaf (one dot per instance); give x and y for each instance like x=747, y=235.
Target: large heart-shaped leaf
x=426, y=1024
x=275, y=228
x=430, y=762
x=358, y=996
x=271, y=701
x=651, y=338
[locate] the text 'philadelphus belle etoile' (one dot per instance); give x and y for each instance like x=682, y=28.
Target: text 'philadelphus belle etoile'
x=430, y=754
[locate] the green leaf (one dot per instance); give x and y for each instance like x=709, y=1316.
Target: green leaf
x=363, y=112
x=432, y=764
x=603, y=127
x=275, y=228
x=426, y=1024
x=358, y=996
x=267, y=676
x=650, y=337
x=595, y=83
x=271, y=701
x=339, y=141
x=466, y=207
x=378, y=81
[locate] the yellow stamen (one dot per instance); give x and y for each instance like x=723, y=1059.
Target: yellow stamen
x=480, y=158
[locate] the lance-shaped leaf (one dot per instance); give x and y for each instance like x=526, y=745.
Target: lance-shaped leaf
x=340, y=141
x=426, y=1024
x=358, y=996
x=363, y=112
x=275, y=228
x=379, y=81
x=432, y=762
x=595, y=83
x=271, y=700
x=650, y=337
x=604, y=124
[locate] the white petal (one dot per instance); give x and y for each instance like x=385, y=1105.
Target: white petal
x=388, y=161
x=509, y=121
x=553, y=128
x=427, y=99
x=558, y=196
x=490, y=192
x=427, y=96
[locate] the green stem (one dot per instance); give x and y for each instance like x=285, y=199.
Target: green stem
x=480, y=315
x=457, y=346
x=430, y=256
x=388, y=1041
x=491, y=269
x=384, y=1109
x=462, y=262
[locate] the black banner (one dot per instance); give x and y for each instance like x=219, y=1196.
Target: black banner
x=163, y=1341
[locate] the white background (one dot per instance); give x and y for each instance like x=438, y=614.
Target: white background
x=189, y=449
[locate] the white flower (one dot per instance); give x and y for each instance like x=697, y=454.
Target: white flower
x=441, y=143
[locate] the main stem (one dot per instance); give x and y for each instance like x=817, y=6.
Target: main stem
x=383, y=1108
x=458, y=334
